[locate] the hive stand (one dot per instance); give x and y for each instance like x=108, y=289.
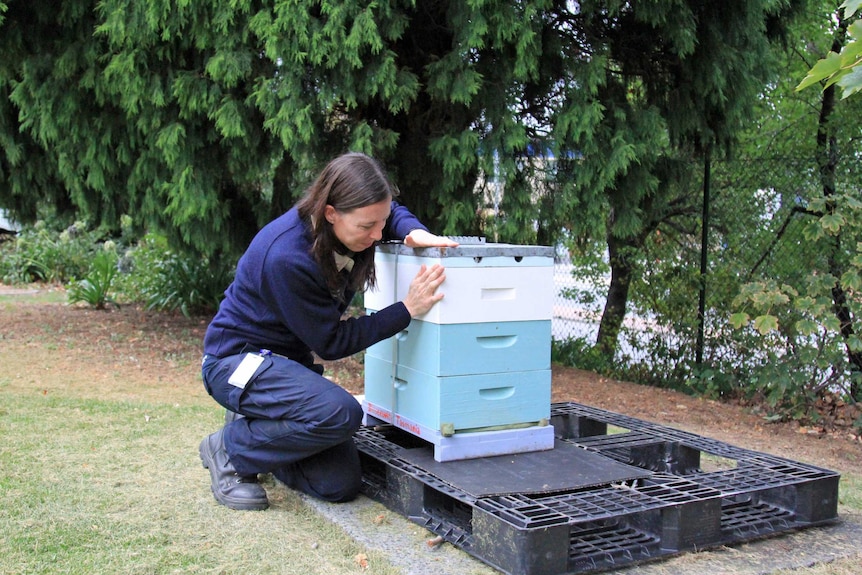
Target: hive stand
x=614, y=491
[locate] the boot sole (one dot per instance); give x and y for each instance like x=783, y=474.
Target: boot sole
x=236, y=504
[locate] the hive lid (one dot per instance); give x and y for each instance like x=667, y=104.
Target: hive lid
x=469, y=246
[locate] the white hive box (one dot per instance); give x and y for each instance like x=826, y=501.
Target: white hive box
x=484, y=282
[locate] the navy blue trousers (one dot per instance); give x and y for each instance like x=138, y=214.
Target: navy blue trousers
x=298, y=425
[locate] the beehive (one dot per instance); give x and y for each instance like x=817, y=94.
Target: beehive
x=473, y=372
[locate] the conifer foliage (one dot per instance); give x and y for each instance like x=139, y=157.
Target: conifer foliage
x=204, y=119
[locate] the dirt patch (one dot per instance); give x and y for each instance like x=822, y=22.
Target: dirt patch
x=129, y=351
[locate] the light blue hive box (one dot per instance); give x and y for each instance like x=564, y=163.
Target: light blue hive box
x=472, y=376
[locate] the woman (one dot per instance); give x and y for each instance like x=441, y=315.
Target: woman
x=286, y=302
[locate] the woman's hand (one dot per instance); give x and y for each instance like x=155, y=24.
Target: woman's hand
x=423, y=239
x=422, y=293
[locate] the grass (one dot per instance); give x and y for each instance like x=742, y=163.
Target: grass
x=32, y=294
x=90, y=486
x=100, y=422
x=850, y=492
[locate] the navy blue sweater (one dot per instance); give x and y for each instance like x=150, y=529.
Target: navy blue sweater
x=279, y=300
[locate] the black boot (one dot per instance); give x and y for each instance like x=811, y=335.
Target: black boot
x=229, y=488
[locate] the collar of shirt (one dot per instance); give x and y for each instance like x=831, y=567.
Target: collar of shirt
x=343, y=262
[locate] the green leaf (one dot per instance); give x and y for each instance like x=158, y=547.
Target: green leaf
x=805, y=303
x=229, y=119
x=853, y=203
x=854, y=343
x=851, y=82
x=851, y=280
x=832, y=223
x=769, y=299
x=832, y=323
x=765, y=323
x=229, y=67
x=807, y=327
x=739, y=319
x=823, y=69
x=852, y=51
x=851, y=7
x=171, y=141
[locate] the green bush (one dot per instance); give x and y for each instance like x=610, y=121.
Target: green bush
x=45, y=253
x=148, y=272
x=578, y=352
x=167, y=281
x=95, y=289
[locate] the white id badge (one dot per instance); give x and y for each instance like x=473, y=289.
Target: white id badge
x=246, y=368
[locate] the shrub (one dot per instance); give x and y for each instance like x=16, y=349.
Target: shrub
x=148, y=272
x=95, y=288
x=44, y=253
x=167, y=281
x=578, y=352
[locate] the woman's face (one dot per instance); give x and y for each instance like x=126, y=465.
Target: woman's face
x=360, y=228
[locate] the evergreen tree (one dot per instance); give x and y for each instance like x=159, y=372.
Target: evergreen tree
x=206, y=119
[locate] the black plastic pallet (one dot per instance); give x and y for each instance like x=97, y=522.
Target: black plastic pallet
x=700, y=493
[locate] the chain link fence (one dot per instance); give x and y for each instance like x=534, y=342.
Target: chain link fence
x=757, y=232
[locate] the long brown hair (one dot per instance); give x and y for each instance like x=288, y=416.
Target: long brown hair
x=348, y=182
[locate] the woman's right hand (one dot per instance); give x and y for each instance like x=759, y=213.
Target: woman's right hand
x=422, y=294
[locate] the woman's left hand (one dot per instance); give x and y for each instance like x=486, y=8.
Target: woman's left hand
x=423, y=239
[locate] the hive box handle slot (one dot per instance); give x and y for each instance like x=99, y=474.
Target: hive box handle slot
x=494, y=294
x=496, y=341
x=497, y=392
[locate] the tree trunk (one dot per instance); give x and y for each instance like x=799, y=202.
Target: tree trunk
x=617, y=299
x=842, y=312
x=827, y=160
